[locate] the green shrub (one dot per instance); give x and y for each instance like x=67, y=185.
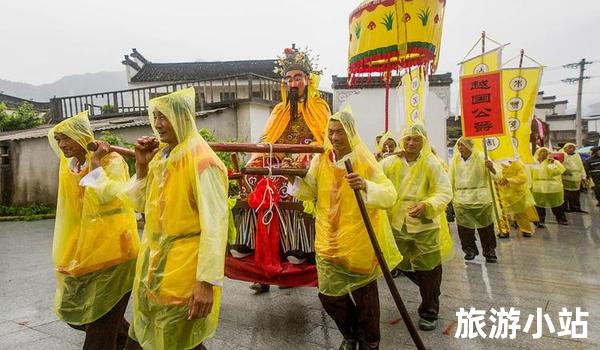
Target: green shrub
x=33, y=211
x=25, y=117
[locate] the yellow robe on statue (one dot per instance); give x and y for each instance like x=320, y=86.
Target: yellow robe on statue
x=315, y=113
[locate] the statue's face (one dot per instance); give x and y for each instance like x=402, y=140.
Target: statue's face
x=296, y=79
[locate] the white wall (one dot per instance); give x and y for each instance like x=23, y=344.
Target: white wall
x=594, y=125
x=559, y=125
x=560, y=109
x=368, y=106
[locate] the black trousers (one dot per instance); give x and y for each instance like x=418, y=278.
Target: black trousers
x=109, y=332
x=356, y=317
x=486, y=235
x=597, y=190
x=572, y=202
x=559, y=213
x=429, y=283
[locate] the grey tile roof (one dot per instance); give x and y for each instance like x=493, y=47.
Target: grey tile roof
x=13, y=102
x=188, y=71
x=550, y=104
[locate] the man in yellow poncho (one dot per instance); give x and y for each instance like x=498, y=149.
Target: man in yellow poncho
x=515, y=196
x=386, y=146
x=95, y=236
x=346, y=262
x=572, y=177
x=547, y=187
x=423, y=193
x=182, y=189
x=469, y=177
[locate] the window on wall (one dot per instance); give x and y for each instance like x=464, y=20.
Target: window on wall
x=227, y=96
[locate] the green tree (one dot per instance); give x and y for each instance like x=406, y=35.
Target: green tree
x=25, y=117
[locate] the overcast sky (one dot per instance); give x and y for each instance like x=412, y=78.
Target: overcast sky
x=44, y=40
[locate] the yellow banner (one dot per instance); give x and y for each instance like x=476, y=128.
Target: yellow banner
x=520, y=87
x=489, y=61
x=414, y=96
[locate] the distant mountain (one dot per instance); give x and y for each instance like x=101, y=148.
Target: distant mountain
x=70, y=85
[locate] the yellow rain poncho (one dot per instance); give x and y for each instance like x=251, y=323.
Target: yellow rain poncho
x=575, y=171
x=470, y=183
x=95, y=234
x=384, y=137
x=547, y=187
x=184, y=198
x=424, y=242
x=516, y=196
x=345, y=257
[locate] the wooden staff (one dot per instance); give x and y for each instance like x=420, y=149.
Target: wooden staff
x=125, y=152
x=384, y=268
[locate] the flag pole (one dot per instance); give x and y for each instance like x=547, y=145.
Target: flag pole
x=485, y=153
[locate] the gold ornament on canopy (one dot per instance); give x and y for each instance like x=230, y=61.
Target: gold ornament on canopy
x=387, y=35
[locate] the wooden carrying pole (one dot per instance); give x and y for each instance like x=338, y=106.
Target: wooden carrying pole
x=125, y=152
x=231, y=147
x=241, y=147
x=384, y=268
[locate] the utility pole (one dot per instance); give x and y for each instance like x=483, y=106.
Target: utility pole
x=578, y=124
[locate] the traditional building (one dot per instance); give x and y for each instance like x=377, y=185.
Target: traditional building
x=561, y=124
x=141, y=72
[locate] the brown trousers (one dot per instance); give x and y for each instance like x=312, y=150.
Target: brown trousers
x=356, y=317
x=109, y=332
x=429, y=283
x=486, y=235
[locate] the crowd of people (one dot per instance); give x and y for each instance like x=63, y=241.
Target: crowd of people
x=175, y=273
